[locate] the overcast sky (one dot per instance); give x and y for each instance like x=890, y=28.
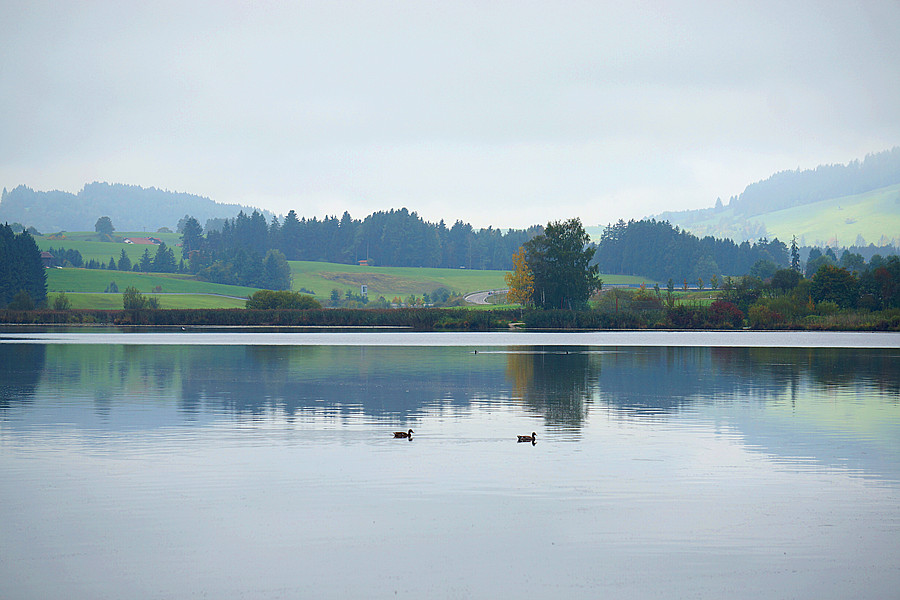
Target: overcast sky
x=496, y=113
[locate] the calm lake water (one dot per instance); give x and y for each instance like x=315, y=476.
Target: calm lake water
x=262, y=465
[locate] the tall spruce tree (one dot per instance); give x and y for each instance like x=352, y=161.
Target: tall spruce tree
x=21, y=267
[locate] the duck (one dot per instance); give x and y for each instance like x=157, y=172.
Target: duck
x=528, y=438
x=403, y=434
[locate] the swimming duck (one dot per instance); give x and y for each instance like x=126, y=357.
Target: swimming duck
x=528, y=438
x=403, y=434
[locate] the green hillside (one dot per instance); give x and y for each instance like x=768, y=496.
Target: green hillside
x=874, y=216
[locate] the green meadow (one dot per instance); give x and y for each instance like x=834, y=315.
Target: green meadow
x=81, y=300
x=86, y=287
x=323, y=277
x=91, y=246
x=389, y=282
x=96, y=281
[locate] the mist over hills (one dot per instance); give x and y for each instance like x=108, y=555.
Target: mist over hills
x=130, y=207
x=841, y=205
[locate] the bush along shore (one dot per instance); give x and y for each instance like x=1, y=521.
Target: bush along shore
x=717, y=316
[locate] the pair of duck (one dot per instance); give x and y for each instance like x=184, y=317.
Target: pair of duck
x=522, y=438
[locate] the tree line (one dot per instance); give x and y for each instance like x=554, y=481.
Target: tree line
x=162, y=260
x=248, y=244
x=23, y=281
x=657, y=250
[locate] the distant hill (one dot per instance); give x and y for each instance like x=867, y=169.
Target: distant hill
x=869, y=218
x=831, y=204
x=130, y=207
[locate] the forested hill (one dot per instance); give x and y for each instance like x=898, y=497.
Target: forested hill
x=130, y=207
x=796, y=188
x=744, y=215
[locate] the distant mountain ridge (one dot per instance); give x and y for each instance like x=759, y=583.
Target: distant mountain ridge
x=130, y=207
x=749, y=216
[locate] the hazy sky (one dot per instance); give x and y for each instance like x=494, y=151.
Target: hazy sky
x=501, y=113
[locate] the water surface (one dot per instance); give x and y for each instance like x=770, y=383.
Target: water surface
x=162, y=468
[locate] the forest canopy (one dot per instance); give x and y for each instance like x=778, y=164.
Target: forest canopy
x=656, y=250
x=248, y=247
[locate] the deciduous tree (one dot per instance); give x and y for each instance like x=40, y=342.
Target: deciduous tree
x=104, y=225
x=520, y=280
x=559, y=260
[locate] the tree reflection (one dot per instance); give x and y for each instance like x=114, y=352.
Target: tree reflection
x=21, y=366
x=553, y=381
x=402, y=383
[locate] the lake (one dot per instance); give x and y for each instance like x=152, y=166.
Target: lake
x=230, y=464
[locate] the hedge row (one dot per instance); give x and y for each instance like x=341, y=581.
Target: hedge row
x=425, y=319
x=416, y=319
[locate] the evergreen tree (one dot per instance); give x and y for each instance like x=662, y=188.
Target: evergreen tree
x=277, y=272
x=124, y=261
x=191, y=236
x=164, y=261
x=795, y=254
x=21, y=268
x=146, y=263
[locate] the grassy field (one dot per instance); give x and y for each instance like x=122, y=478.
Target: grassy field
x=403, y=281
x=96, y=281
x=91, y=247
x=317, y=277
x=114, y=301
x=389, y=281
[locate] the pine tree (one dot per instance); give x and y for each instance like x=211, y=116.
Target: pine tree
x=21, y=267
x=795, y=254
x=124, y=261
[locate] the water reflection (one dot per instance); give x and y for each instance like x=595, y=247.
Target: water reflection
x=21, y=367
x=556, y=382
x=559, y=383
x=129, y=387
x=271, y=471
